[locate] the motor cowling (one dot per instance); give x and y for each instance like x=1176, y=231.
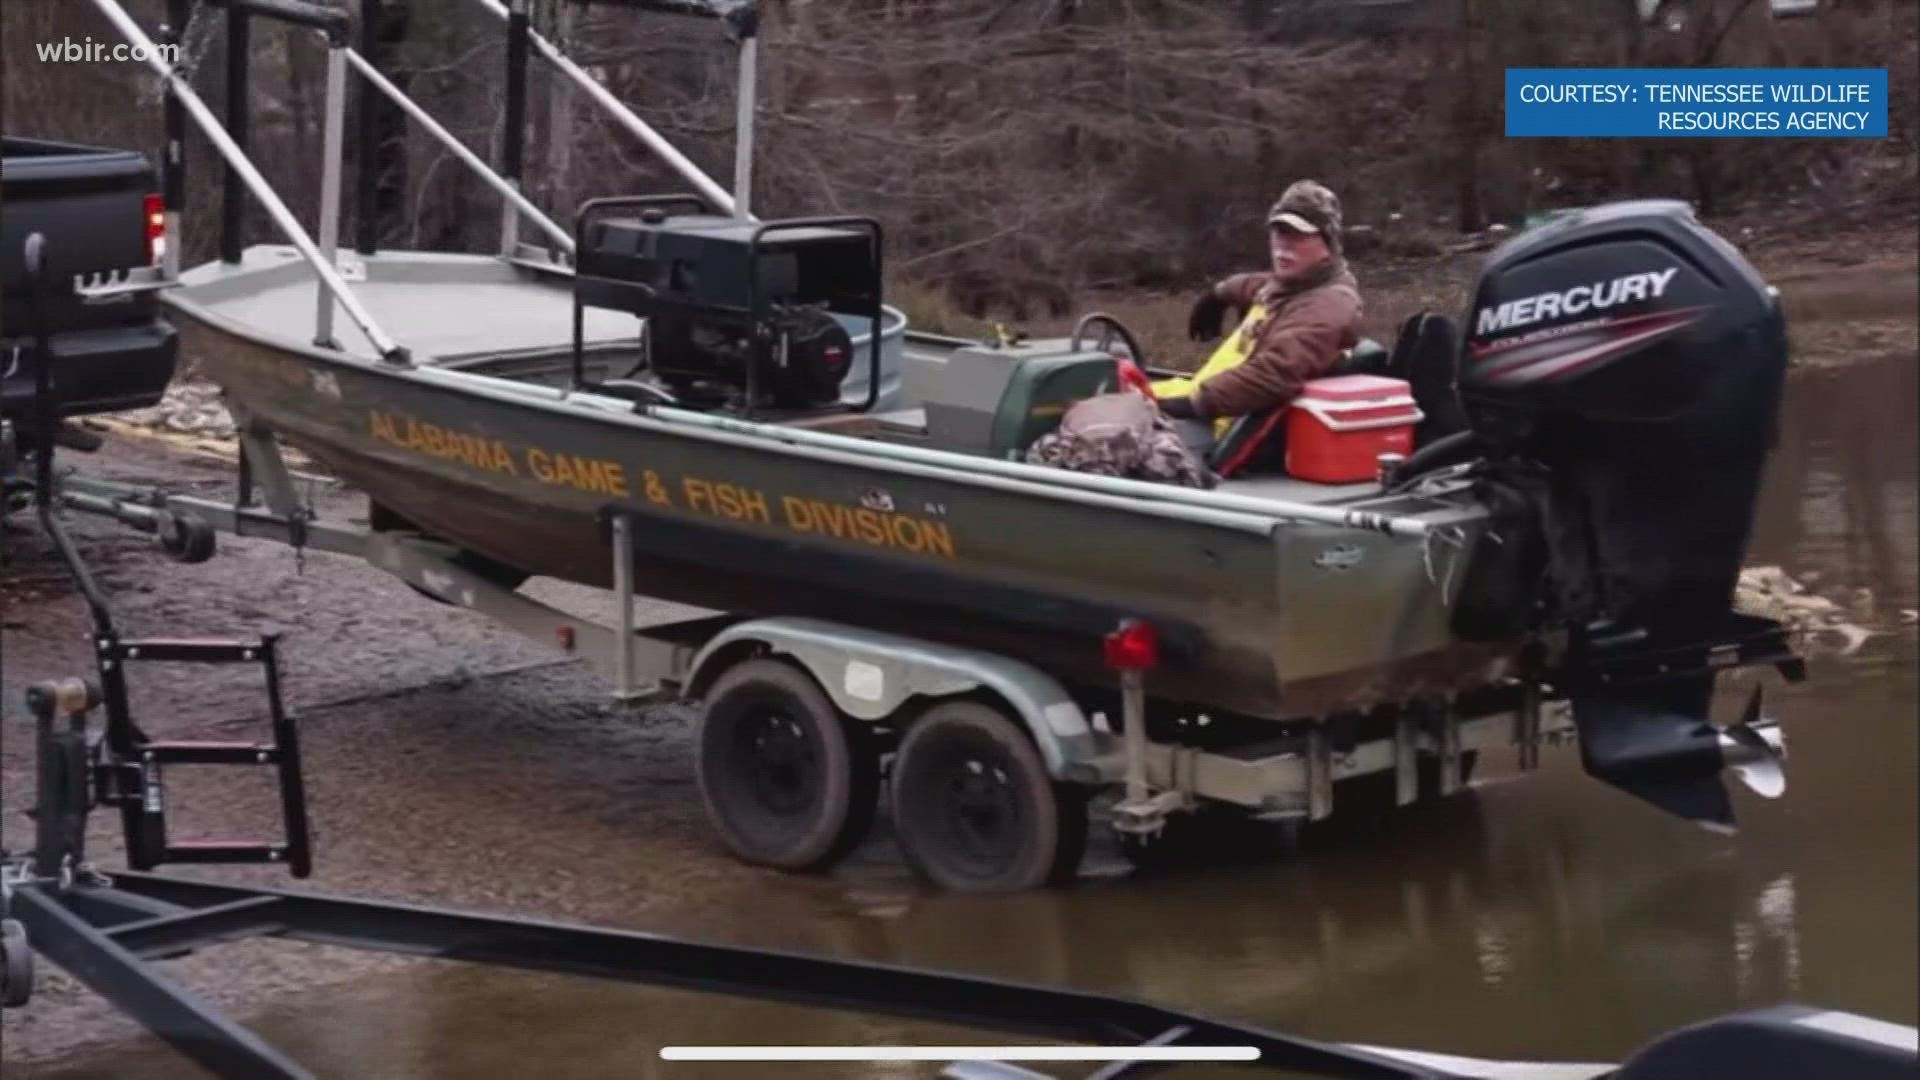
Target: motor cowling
x=1631, y=363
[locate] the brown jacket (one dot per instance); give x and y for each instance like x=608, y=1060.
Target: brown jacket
x=1307, y=325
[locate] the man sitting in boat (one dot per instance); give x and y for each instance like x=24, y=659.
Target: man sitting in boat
x=1300, y=317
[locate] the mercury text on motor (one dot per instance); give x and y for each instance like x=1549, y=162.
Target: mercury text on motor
x=1598, y=296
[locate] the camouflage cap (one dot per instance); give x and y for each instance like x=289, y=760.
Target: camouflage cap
x=1309, y=207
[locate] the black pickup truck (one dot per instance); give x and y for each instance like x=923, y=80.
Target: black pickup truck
x=101, y=217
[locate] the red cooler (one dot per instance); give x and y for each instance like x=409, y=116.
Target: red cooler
x=1339, y=426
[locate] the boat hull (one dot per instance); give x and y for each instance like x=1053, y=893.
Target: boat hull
x=1262, y=618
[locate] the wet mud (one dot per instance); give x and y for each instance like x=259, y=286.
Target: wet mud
x=450, y=762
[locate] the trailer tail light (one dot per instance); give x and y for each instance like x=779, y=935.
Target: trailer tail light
x=154, y=214
x=1133, y=646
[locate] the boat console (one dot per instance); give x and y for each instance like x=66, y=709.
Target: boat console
x=996, y=398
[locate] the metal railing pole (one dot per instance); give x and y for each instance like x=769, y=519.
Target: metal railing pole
x=330, y=161
x=173, y=165
x=366, y=219
x=743, y=127
x=623, y=590
x=233, y=201
x=513, y=135
x=390, y=349
x=639, y=128
x=560, y=236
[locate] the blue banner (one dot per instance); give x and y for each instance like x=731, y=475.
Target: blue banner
x=1725, y=103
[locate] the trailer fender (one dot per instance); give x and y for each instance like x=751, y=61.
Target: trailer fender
x=870, y=675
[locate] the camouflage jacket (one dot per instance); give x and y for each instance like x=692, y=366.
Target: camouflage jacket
x=1306, y=325
x=1120, y=435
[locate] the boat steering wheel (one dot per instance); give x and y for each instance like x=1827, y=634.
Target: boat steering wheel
x=1132, y=366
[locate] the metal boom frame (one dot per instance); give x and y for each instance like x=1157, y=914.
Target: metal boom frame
x=107, y=934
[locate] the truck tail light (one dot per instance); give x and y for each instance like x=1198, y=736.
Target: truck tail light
x=154, y=214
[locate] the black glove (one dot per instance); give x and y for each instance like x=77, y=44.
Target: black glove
x=1180, y=408
x=1203, y=321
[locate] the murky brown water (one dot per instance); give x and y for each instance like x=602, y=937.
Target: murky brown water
x=1546, y=918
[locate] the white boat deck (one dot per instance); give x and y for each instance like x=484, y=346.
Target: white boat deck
x=443, y=307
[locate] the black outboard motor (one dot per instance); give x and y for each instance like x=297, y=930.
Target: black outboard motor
x=1623, y=369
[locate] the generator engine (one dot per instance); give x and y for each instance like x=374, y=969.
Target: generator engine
x=740, y=314
x=713, y=359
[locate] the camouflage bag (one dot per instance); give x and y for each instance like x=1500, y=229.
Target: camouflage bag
x=1121, y=435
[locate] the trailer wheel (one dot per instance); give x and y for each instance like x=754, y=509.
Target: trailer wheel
x=974, y=808
x=186, y=538
x=16, y=964
x=786, y=781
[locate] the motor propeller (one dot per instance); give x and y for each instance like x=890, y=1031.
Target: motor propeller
x=1754, y=749
x=1673, y=757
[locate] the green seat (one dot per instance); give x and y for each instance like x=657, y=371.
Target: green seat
x=1039, y=393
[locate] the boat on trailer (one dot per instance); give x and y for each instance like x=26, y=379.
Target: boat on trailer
x=685, y=402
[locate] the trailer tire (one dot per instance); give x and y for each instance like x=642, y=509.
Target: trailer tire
x=786, y=780
x=186, y=537
x=974, y=807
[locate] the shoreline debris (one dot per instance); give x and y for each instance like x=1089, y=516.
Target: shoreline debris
x=1821, y=622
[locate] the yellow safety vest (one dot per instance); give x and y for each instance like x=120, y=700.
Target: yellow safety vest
x=1232, y=352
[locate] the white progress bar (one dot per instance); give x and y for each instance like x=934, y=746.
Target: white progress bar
x=959, y=1053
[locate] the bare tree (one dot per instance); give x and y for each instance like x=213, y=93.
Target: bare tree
x=1018, y=151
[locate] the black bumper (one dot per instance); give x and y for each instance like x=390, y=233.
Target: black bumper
x=94, y=371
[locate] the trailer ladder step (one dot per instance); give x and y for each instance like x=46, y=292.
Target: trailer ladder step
x=186, y=752
x=193, y=650
x=135, y=781
x=225, y=851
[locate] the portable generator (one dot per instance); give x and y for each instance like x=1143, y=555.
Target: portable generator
x=746, y=316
